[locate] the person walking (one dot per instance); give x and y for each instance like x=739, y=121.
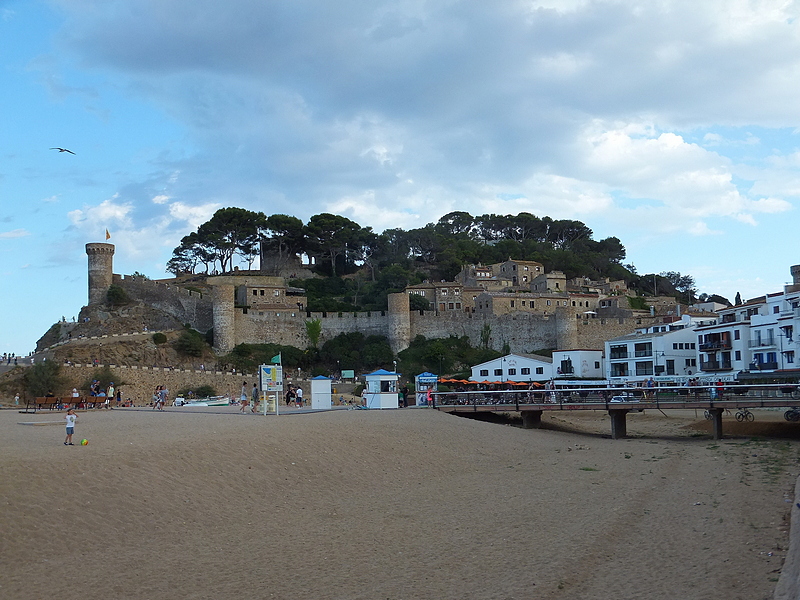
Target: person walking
x=255, y=396
x=298, y=397
x=71, y=418
x=243, y=398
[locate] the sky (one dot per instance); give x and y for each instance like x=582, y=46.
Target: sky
x=672, y=125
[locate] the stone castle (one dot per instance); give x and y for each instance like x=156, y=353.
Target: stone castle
x=514, y=303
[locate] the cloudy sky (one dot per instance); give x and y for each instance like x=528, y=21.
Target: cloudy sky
x=671, y=124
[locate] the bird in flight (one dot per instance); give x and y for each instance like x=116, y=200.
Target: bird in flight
x=63, y=150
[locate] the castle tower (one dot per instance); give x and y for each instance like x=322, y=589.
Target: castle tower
x=399, y=321
x=101, y=269
x=795, y=285
x=224, y=314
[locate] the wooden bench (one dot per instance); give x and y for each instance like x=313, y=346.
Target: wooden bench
x=49, y=402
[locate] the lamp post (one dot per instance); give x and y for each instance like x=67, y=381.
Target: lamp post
x=394, y=362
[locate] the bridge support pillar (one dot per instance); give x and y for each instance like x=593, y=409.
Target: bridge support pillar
x=716, y=422
x=619, y=425
x=531, y=419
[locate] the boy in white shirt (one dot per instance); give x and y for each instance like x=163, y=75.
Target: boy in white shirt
x=70, y=418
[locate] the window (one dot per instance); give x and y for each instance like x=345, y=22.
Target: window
x=691, y=362
x=523, y=303
x=736, y=334
x=540, y=370
x=498, y=372
x=456, y=292
x=458, y=305
x=680, y=346
x=512, y=371
x=484, y=372
x=512, y=304
x=597, y=364
x=450, y=305
x=276, y=293
x=674, y=346
x=548, y=303
x=619, y=370
x=644, y=368
x=525, y=371
x=790, y=357
x=737, y=355
x=776, y=309
x=693, y=347
x=670, y=367
x=443, y=292
x=255, y=292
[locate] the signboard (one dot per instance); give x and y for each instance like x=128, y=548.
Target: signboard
x=271, y=378
x=348, y=374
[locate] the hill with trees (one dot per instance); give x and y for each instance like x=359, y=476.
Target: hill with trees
x=356, y=268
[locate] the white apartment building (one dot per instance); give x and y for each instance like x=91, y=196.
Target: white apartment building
x=664, y=351
x=754, y=339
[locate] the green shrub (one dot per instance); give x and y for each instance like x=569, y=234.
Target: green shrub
x=116, y=296
x=42, y=378
x=159, y=338
x=190, y=343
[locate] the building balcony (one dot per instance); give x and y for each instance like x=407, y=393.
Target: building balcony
x=715, y=365
x=764, y=366
x=618, y=355
x=762, y=343
x=643, y=353
x=714, y=346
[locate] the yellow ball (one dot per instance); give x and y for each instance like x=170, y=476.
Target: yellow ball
x=84, y=442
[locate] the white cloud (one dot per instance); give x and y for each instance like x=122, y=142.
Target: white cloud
x=15, y=233
x=161, y=199
x=194, y=216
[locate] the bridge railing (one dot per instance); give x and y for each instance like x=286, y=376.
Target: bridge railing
x=618, y=395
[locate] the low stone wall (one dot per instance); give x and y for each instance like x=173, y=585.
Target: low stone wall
x=138, y=383
x=788, y=587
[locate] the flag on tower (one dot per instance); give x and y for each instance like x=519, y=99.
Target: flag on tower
x=276, y=360
x=108, y=235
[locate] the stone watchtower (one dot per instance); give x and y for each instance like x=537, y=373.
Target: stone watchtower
x=101, y=268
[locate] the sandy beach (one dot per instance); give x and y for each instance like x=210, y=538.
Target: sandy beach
x=400, y=504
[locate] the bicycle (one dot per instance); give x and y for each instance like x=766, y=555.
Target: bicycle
x=792, y=415
x=744, y=415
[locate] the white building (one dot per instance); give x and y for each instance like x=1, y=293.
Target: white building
x=665, y=352
x=755, y=339
x=578, y=364
x=514, y=367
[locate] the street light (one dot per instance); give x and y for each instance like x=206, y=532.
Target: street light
x=395, y=366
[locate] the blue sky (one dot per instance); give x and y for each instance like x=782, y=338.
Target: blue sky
x=673, y=125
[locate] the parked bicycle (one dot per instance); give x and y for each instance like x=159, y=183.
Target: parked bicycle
x=793, y=414
x=744, y=415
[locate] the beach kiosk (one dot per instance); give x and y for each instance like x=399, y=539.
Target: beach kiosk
x=320, y=393
x=381, y=390
x=422, y=383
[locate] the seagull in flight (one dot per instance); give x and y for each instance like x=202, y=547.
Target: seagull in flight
x=63, y=150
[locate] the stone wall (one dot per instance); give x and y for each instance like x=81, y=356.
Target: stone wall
x=593, y=333
x=185, y=305
x=138, y=383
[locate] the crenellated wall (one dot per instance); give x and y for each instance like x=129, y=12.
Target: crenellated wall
x=188, y=306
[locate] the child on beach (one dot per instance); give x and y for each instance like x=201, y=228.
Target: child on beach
x=70, y=418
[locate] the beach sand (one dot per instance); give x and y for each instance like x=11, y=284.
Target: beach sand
x=401, y=504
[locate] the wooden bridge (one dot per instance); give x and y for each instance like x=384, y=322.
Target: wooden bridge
x=618, y=402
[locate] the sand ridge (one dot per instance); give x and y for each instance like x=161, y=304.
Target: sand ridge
x=386, y=504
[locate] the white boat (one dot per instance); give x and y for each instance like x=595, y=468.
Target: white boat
x=212, y=401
